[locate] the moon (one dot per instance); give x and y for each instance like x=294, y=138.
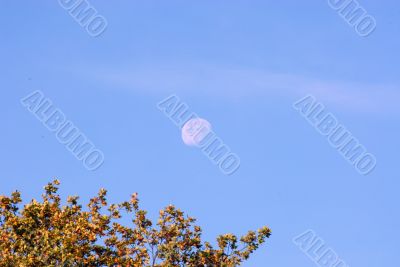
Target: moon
x=194, y=131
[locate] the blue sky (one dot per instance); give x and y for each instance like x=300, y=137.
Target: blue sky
x=240, y=65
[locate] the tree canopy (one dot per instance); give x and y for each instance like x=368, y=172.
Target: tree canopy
x=47, y=233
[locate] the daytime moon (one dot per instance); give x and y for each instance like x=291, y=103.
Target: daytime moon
x=194, y=131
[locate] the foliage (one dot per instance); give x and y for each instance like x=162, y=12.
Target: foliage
x=49, y=234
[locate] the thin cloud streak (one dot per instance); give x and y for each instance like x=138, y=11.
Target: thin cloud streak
x=237, y=83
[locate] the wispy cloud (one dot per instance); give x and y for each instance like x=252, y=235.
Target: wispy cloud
x=238, y=83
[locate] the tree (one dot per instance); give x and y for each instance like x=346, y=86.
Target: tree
x=48, y=234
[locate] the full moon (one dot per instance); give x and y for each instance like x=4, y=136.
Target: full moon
x=194, y=131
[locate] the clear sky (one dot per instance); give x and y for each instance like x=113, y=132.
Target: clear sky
x=240, y=65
